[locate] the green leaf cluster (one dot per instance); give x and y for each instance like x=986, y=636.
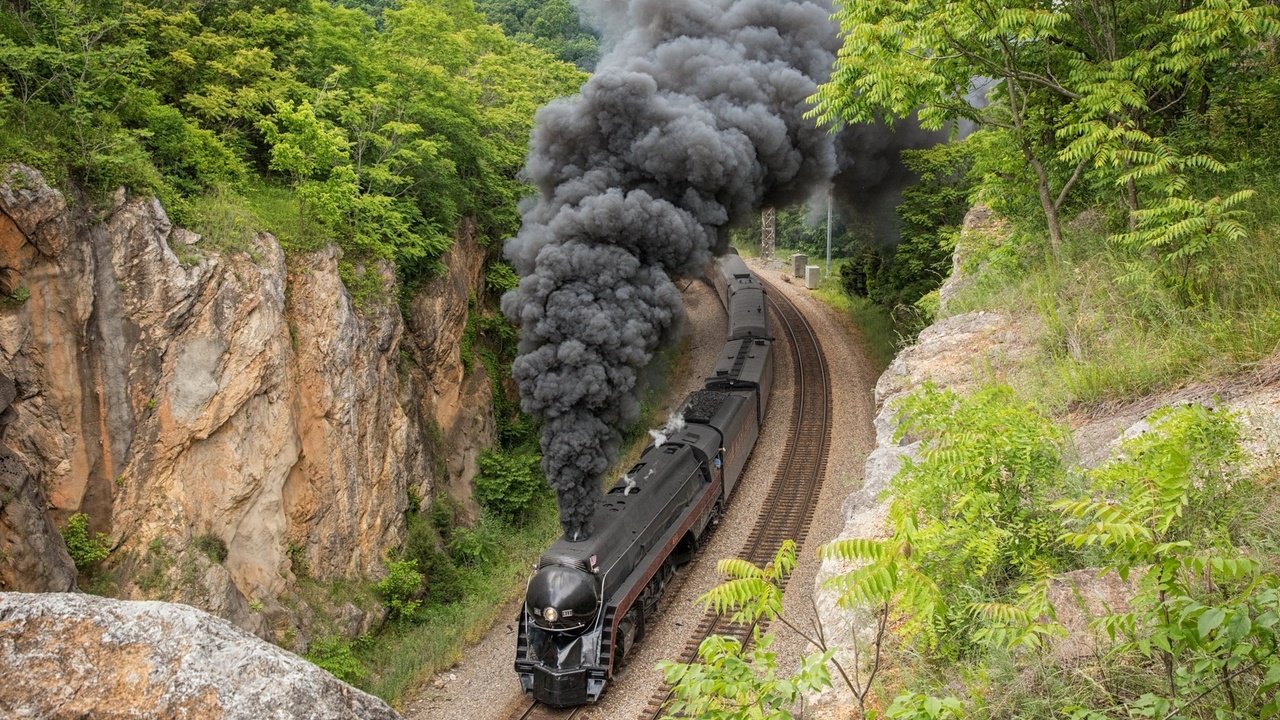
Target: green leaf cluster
x=508, y=485
x=1206, y=611
x=86, y=549
x=732, y=683
x=972, y=535
x=752, y=593
x=401, y=589
x=552, y=25
x=978, y=531
x=335, y=655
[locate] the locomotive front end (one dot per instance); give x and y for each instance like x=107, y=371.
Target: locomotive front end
x=560, y=637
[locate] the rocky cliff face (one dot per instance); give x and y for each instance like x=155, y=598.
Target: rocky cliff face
x=230, y=420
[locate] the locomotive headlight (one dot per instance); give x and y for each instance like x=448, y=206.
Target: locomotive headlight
x=551, y=614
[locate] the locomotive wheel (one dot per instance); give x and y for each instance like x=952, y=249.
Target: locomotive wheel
x=633, y=625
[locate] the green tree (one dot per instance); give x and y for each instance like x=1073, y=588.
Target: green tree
x=306, y=147
x=86, y=549
x=1076, y=88
x=550, y=25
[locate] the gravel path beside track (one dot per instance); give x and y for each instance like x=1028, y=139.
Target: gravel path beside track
x=483, y=685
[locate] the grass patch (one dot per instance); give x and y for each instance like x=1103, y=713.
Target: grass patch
x=277, y=211
x=405, y=654
x=225, y=220
x=1110, y=328
x=880, y=335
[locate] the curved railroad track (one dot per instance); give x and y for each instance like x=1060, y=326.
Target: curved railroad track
x=793, y=493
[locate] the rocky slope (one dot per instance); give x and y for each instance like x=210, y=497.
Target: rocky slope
x=230, y=421
x=966, y=350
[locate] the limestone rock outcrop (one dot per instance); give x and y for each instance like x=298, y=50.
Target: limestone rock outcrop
x=67, y=655
x=226, y=418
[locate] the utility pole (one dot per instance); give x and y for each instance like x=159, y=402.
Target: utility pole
x=768, y=233
x=828, y=272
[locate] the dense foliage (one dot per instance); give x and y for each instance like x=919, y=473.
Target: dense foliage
x=1077, y=96
x=387, y=134
x=974, y=543
x=552, y=25
x=85, y=548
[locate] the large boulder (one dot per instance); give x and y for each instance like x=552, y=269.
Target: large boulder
x=67, y=655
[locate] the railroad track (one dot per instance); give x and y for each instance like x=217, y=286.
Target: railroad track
x=793, y=493
x=533, y=710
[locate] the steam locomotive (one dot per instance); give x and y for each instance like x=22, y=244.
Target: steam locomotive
x=588, y=601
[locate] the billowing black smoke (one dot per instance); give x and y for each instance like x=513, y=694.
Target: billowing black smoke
x=869, y=182
x=691, y=123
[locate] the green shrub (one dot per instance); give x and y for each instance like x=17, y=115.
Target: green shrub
x=86, y=550
x=212, y=546
x=422, y=546
x=445, y=582
x=500, y=277
x=1206, y=611
x=335, y=656
x=401, y=589
x=471, y=547
x=972, y=536
x=16, y=298
x=443, y=514
x=508, y=485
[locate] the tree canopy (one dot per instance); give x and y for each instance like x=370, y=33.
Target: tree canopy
x=1078, y=90
x=551, y=25
x=390, y=123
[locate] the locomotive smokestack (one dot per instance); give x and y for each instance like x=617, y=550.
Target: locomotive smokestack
x=691, y=123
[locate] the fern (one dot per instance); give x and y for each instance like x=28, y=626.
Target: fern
x=752, y=593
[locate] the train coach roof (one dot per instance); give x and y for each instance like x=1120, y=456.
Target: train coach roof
x=741, y=364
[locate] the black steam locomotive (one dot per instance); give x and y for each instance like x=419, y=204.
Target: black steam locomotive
x=587, y=603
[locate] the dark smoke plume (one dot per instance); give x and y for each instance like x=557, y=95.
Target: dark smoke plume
x=868, y=184
x=691, y=123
